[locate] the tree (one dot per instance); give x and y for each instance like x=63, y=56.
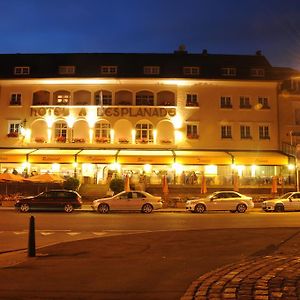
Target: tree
x=117, y=185
x=71, y=184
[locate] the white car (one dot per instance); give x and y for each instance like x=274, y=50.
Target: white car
x=287, y=202
x=133, y=200
x=224, y=200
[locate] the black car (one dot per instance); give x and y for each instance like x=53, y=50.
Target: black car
x=65, y=200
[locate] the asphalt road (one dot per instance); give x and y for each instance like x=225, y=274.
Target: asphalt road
x=58, y=227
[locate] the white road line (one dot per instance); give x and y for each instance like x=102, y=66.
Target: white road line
x=73, y=233
x=20, y=232
x=47, y=233
x=99, y=233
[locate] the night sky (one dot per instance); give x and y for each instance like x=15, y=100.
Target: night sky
x=156, y=26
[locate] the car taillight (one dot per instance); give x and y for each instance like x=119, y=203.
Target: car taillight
x=79, y=199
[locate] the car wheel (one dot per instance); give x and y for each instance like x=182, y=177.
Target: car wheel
x=279, y=208
x=103, y=208
x=241, y=208
x=68, y=208
x=24, y=207
x=199, y=208
x=147, y=208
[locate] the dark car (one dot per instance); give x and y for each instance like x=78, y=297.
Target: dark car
x=66, y=200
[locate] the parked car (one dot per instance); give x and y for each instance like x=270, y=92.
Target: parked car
x=66, y=200
x=223, y=200
x=133, y=200
x=287, y=202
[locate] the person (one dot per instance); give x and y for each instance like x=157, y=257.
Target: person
x=15, y=172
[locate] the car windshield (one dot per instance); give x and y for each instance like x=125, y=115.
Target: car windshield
x=285, y=196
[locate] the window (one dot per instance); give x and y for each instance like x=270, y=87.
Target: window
x=192, y=131
x=228, y=71
x=103, y=98
x=102, y=132
x=264, y=102
x=257, y=72
x=22, y=70
x=144, y=98
x=62, y=99
x=191, y=71
x=191, y=100
x=226, y=132
x=151, y=70
x=60, y=133
x=14, y=128
x=65, y=70
x=109, y=70
x=15, y=99
x=144, y=133
x=264, y=133
x=245, y=132
x=226, y=102
x=245, y=102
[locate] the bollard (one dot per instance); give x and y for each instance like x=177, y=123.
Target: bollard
x=31, y=238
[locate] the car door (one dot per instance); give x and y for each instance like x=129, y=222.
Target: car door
x=123, y=201
x=294, y=202
x=231, y=201
x=137, y=200
x=217, y=202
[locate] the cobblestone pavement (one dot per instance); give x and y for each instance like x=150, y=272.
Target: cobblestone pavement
x=261, y=278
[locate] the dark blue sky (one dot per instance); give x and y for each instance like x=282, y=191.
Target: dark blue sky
x=220, y=26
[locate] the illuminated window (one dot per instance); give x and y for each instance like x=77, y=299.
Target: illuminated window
x=228, y=71
x=66, y=70
x=109, y=70
x=245, y=132
x=264, y=132
x=62, y=98
x=225, y=102
x=257, y=72
x=60, y=132
x=192, y=100
x=226, y=132
x=15, y=99
x=102, y=131
x=14, y=127
x=144, y=132
x=151, y=70
x=191, y=71
x=264, y=101
x=22, y=70
x=245, y=102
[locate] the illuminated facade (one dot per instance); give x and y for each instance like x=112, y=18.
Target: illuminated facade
x=177, y=114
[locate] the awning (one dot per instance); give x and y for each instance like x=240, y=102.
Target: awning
x=202, y=157
x=14, y=155
x=97, y=156
x=262, y=158
x=53, y=156
x=155, y=157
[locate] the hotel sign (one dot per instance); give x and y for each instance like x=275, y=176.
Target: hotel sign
x=105, y=112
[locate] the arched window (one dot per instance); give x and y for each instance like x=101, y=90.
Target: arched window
x=61, y=98
x=144, y=132
x=103, y=98
x=144, y=98
x=102, y=132
x=41, y=98
x=166, y=98
x=123, y=98
x=82, y=98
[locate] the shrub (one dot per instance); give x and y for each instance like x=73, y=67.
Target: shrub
x=117, y=185
x=71, y=184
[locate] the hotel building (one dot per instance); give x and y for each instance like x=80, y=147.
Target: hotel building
x=181, y=115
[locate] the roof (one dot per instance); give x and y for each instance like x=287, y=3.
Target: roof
x=130, y=65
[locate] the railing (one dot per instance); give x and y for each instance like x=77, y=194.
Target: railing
x=288, y=149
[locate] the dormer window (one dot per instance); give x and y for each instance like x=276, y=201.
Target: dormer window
x=228, y=71
x=109, y=70
x=22, y=70
x=151, y=70
x=66, y=70
x=191, y=71
x=257, y=72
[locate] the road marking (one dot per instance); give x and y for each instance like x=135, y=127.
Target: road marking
x=47, y=233
x=20, y=232
x=98, y=233
x=73, y=233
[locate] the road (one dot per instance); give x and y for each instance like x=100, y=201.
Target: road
x=58, y=227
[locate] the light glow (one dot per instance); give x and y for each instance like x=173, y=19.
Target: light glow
x=55, y=168
x=70, y=121
x=178, y=168
x=211, y=170
x=133, y=134
x=49, y=120
x=178, y=136
x=147, y=168
x=253, y=170
x=177, y=122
